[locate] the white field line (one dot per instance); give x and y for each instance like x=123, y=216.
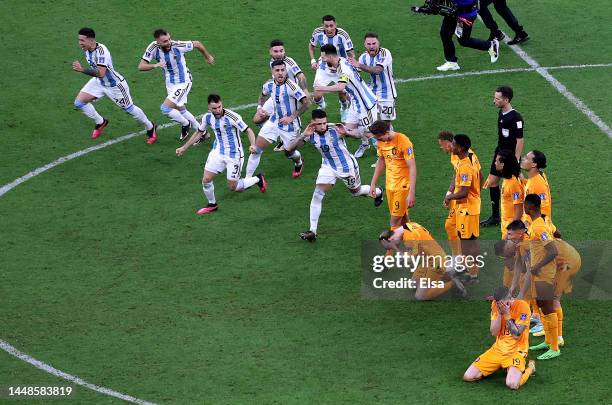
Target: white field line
x=560, y=87
x=8, y=187
x=69, y=377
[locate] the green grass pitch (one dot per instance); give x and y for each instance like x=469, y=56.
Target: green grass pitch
x=107, y=273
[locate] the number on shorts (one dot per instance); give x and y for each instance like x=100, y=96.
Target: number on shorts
x=351, y=181
x=120, y=101
x=388, y=109
x=365, y=121
x=178, y=92
x=236, y=168
x=397, y=205
x=516, y=362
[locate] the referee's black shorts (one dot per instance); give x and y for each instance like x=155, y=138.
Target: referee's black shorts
x=493, y=171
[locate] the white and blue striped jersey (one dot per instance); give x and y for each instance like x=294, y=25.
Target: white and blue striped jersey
x=292, y=68
x=342, y=41
x=361, y=95
x=175, y=70
x=382, y=84
x=285, y=97
x=332, y=147
x=227, y=130
x=102, y=57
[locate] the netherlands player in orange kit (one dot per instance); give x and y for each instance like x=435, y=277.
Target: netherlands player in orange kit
x=467, y=199
x=396, y=157
x=510, y=326
x=431, y=276
x=542, y=268
x=512, y=191
x=537, y=183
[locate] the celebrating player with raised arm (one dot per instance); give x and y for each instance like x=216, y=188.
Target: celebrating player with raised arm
x=227, y=153
x=105, y=81
x=290, y=103
x=170, y=56
x=338, y=163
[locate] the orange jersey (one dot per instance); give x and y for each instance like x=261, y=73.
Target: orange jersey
x=396, y=153
x=505, y=343
x=467, y=174
x=421, y=241
x=540, y=234
x=512, y=193
x=538, y=184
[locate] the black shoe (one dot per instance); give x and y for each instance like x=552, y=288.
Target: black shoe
x=491, y=221
x=379, y=200
x=496, y=34
x=310, y=236
x=184, y=132
x=519, y=38
x=279, y=147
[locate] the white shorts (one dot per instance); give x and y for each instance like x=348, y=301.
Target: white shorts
x=352, y=180
x=177, y=93
x=119, y=94
x=363, y=119
x=386, y=110
x=324, y=77
x=217, y=163
x=271, y=132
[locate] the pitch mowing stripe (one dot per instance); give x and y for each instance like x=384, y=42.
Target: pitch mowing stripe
x=560, y=87
x=69, y=377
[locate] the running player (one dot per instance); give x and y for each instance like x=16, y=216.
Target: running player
x=466, y=192
x=378, y=62
x=170, y=56
x=509, y=325
x=396, y=158
x=226, y=154
x=294, y=73
x=337, y=163
x=415, y=240
x=329, y=33
x=363, y=109
x=105, y=81
x=290, y=103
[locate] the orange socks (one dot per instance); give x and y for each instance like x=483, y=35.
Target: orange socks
x=551, y=329
x=559, y=312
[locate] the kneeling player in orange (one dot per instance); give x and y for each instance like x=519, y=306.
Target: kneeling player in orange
x=510, y=326
x=431, y=276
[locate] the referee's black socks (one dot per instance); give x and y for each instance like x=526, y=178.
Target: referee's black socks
x=495, y=196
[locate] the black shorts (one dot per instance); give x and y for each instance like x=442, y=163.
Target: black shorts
x=493, y=171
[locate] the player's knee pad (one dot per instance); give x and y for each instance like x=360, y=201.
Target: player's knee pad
x=78, y=104
x=165, y=109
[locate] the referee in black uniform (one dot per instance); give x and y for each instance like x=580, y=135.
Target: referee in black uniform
x=509, y=136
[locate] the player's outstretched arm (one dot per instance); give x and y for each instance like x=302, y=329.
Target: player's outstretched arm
x=251, y=136
x=302, y=82
x=335, y=88
x=376, y=69
x=100, y=71
x=144, y=66
x=313, y=62
x=207, y=55
x=195, y=137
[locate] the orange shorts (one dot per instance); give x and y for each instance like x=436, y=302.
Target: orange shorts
x=467, y=225
x=491, y=361
x=398, y=202
x=564, y=278
x=546, y=274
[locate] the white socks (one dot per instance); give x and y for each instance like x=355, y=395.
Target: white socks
x=189, y=116
x=139, y=115
x=175, y=115
x=315, y=209
x=209, y=191
x=247, y=182
x=89, y=110
x=252, y=163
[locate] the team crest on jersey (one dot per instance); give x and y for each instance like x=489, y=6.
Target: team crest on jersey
x=464, y=177
x=544, y=236
x=409, y=151
x=542, y=196
x=394, y=151
x=515, y=195
x=148, y=54
x=523, y=317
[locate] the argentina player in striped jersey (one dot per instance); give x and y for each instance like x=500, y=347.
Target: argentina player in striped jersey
x=337, y=163
x=378, y=62
x=105, y=81
x=364, y=107
x=329, y=33
x=170, y=56
x=294, y=73
x=226, y=154
x=290, y=102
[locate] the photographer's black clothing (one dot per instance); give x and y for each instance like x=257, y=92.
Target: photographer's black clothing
x=502, y=9
x=447, y=30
